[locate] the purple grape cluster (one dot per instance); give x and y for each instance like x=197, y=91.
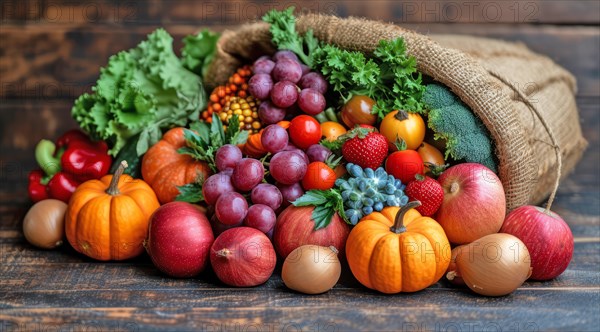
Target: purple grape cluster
x=223, y=191
x=288, y=164
x=284, y=84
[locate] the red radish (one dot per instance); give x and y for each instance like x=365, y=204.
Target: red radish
x=243, y=257
x=295, y=228
x=474, y=204
x=179, y=239
x=547, y=237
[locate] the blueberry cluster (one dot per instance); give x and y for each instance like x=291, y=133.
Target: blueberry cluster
x=367, y=190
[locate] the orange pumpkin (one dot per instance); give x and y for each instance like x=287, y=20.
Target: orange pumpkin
x=107, y=219
x=164, y=169
x=398, y=250
x=254, y=147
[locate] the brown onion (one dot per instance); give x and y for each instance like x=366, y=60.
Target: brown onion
x=311, y=269
x=44, y=224
x=494, y=265
x=451, y=273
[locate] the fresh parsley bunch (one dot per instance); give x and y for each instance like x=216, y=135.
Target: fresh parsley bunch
x=389, y=76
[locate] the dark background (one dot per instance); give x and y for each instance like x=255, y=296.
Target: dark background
x=51, y=52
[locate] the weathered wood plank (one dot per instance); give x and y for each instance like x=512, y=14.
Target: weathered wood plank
x=522, y=311
x=42, y=63
x=64, y=269
x=265, y=297
x=157, y=12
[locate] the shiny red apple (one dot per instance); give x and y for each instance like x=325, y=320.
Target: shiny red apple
x=474, y=204
x=179, y=239
x=547, y=237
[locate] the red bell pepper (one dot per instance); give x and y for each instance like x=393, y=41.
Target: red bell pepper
x=72, y=160
x=37, y=189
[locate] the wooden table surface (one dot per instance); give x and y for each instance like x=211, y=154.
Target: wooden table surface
x=51, y=51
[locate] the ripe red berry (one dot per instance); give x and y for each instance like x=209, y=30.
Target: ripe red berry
x=366, y=149
x=428, y=191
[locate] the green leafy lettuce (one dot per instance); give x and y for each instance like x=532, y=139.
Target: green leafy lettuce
x=198, y=51
x=140, y=91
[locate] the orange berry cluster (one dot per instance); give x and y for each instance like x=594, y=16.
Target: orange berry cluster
x=237, y=86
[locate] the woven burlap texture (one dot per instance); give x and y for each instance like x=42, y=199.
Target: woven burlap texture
x=484, y=73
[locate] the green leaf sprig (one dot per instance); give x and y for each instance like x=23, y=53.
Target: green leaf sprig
x=285, y=36
x=191, y=192
x=326, y=203
x=203, y=142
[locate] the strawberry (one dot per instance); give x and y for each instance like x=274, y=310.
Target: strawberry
x=365, y=148
x=428, y=191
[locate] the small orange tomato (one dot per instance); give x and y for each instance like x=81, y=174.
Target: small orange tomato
x=430, y=155
x=318, y=176
x=340, y=170
x=408, y=126
x=284, y=124
x=332, y=130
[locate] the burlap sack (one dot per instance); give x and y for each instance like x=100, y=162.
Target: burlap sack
x=504, y=84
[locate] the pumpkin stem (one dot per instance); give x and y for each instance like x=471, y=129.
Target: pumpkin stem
x=399, y=222
x=401, y=115
x=113, y=188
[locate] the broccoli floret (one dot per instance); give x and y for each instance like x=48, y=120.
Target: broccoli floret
x=466, y=136
x=437, y=96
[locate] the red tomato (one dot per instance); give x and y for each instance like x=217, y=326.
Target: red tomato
x=318, y=176
x=404, y=165
x=304, y=131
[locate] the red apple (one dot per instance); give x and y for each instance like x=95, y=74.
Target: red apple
x=179, y=239
x=547, y=237
x=243, y=257
x=295, y=228
x=474, y=204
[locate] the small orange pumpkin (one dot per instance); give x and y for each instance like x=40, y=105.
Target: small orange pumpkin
x=254, y=147
x=164, y=169
x=398, y=250
x=107, y=219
